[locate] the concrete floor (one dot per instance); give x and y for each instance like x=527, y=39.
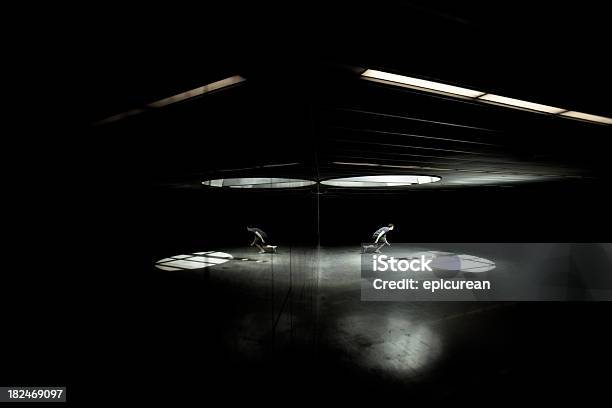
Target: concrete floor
x=295, y=320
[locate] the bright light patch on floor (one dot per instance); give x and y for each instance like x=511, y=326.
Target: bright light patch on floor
x=392, y=343
x=196, y=260
x=475, y=264
x=449, y=261
x=187, y=264
x=207, y=259
x=416, y=83
x=258, y=182
x=220, y=255
x=168, y=268
x=380, y=181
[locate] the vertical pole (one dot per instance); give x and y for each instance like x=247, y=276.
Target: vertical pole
x=272, y=297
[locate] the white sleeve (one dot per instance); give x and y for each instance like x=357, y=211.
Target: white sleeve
x=260, y=237
x=378, y=237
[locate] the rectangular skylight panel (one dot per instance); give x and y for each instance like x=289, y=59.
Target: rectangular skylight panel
x=586, y=116
x=520, y=104
x=438, y=87
x=197, y=91
x=422, y=84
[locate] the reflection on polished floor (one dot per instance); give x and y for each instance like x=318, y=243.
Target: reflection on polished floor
x=281, y=319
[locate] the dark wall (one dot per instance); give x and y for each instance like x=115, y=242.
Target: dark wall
x=182, y=220
x=539, y=213
x=199, y=220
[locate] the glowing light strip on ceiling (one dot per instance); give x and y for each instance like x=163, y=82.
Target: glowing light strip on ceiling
x=183, y=96
x=455, y=91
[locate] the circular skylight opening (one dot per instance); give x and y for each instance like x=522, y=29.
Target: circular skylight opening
x=258, y=182
x=380, y=181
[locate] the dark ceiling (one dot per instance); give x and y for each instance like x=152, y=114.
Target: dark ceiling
x=304, y=105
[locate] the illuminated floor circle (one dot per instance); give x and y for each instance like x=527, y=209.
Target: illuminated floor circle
x=196, y=260
x=258, y=182
x=392, y=344
x=448, y=261
x=380, y=181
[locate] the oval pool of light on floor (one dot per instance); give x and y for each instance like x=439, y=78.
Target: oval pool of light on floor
x=449, y=261
x=196, y=260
